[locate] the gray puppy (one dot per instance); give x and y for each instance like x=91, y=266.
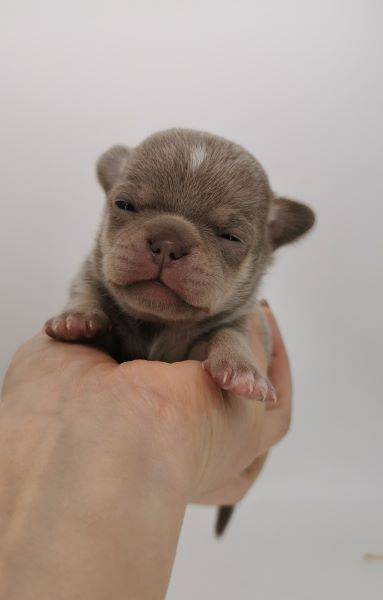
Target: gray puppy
x=189, y=227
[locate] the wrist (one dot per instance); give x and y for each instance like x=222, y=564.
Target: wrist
x=86, y=492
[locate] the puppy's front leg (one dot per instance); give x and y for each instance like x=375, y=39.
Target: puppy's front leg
x=83, y=317
x=231, y=364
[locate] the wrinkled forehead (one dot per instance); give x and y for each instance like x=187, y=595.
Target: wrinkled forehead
x=193, y=173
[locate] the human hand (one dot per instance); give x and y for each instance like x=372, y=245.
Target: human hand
x=223, y=442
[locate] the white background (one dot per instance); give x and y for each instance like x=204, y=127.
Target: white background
x=298, y=83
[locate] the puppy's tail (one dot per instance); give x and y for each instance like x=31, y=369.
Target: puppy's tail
x=223, y=517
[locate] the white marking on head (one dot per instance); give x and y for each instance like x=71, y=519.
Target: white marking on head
x=197, y=156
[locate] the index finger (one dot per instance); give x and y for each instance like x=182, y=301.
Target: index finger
x=279, y=370
x=277, y=418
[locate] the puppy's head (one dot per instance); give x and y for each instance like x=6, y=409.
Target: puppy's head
x=189, y=226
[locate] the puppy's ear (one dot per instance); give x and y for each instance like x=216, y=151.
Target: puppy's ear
x=111, y=165
x=288, y=220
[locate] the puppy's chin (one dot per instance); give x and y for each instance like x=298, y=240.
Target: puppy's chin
x=154, y=301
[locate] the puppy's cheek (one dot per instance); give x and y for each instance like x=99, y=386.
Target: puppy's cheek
x=234, y=254
x=224, y=292
x=195, y=281
x=220, y=291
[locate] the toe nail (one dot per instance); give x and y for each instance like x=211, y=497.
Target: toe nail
x=272, y=393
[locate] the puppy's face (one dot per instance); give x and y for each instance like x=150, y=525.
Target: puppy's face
x=189, y=227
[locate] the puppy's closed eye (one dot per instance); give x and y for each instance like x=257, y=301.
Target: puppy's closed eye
x=230, y=237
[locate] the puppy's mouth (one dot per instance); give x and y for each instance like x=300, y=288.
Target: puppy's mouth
x=159, y=297
x=156, y=290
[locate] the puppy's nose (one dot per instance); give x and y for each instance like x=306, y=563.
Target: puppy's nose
x=165, y=252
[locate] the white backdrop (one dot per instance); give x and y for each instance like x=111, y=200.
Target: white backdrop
x=299, y=83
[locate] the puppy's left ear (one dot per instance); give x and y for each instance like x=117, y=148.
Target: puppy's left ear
x=111, y=166
x=288, y=220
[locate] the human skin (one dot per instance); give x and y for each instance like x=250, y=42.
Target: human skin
x=98, y=462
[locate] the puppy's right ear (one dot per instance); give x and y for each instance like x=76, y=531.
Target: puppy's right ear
x=111, y=165
x=288, y=220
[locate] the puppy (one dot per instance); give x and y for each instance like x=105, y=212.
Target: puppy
x=188, y=230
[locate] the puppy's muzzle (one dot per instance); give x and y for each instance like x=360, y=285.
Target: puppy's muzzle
x=170, y=238
x=165, y=252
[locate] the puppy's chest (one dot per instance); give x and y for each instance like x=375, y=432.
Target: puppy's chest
x=169, y=344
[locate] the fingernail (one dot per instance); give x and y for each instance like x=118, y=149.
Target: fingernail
x=264, y=302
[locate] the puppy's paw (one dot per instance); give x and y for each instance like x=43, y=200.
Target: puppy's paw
x=240, y=377
x=75, y=326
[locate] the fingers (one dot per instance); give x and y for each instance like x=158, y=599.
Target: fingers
x=277, y=418
x=279, y=369
x=261, y=430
